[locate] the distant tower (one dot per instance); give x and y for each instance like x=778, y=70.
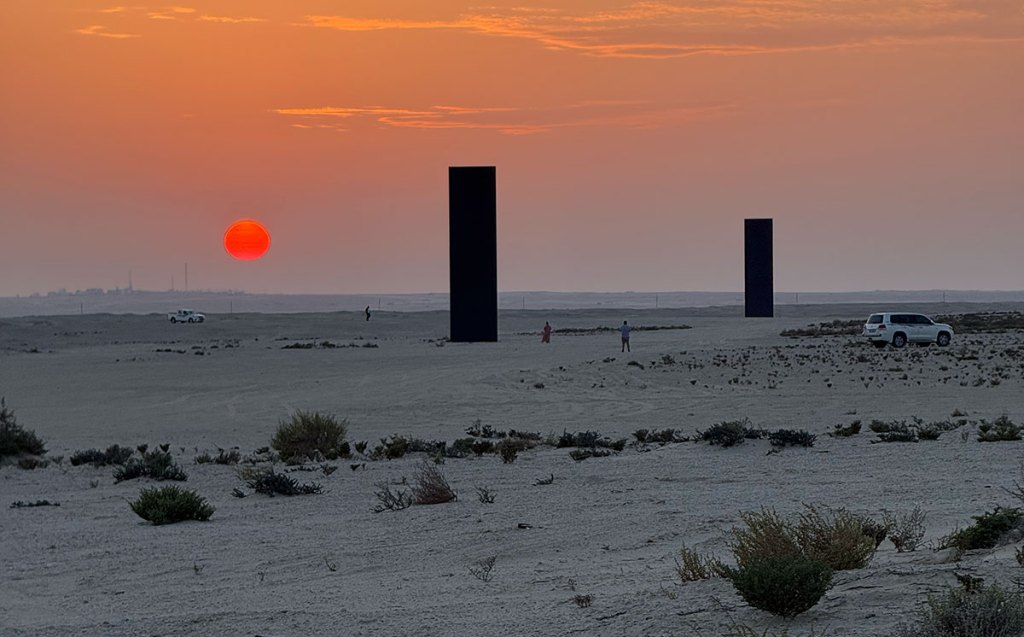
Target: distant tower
x=473, y=253
x=759, y=283
x=130, y=289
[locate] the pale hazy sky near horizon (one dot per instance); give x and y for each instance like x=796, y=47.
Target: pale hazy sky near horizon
x=885, y=138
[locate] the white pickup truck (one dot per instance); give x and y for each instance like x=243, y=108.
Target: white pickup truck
x=186, y=316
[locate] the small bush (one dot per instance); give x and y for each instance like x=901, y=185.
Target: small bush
x=834, y=537
x=873, y=529
x=310, y=435
x=509, y=448
x=480, y=447
x=905, y=530
x=1002, y=429
x=896, y=431
x=764, y=534
x=578, y=439
x=430, y=486
x=232, y=457
x=845, y=431
x=791, y=438
x=114, y=455
x=15, y=440
x=987, y=531
x=691, y=566
x=167, y=505
x=32, y=462
x=784, y=586
x=881, y=427
x=579, y=455
x=156, y=464
x=268, y=482
x=388, y=500
x=988, y=612
x=728, y=434
x=485, y=495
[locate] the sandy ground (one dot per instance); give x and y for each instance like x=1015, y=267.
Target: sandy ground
x=607, y=527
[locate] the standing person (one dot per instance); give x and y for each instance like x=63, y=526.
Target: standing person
x=624, y=330
x=546, y=334
x=367, y=312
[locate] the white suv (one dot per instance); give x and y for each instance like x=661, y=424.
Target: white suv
x=900, y=328
x=186, y=316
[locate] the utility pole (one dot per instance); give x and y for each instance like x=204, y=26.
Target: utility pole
x=186, y=276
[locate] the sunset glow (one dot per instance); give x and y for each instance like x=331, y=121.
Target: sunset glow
x=631, y=139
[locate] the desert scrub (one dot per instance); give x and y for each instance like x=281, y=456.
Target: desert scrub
x=988, y=612
x=987, y=531
x=845, y=431
x=167, y=505
x=509, y=449
x=588, y=439
x=430, y=486
x=113, y=455
x=391, y=448
x=1002, y=429
x=269, y=482
x=156, y=464
x=15, y=440
x=728, y=434
x=231, y=457
x=785, y=586
x=691, y=566
x=835, y=537
x=310, y=435
x=906, y=530
x=791, y=438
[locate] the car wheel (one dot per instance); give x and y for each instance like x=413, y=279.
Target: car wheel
x=174, y=320
x=899, y=340
x=943, y=339
x=191, y=320
x=879, y=344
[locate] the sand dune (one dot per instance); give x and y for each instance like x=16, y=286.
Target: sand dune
x=607, y=527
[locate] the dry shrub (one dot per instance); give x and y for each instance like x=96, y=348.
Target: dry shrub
x=388, y=500
x=764, y=534
x=430, y=486
x=310, y=435
x=834, y=537
x=986, y=612
x=906, y=530
x=691, y=566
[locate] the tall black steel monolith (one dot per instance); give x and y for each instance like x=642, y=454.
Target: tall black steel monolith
x=759, y=280
x=473, y=253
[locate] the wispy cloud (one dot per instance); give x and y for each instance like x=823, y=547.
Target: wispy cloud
x=101, y=31
x=230, y=20
x=513, y=120
x=736, y=27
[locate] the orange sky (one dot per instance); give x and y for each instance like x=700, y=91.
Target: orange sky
x=631, y=139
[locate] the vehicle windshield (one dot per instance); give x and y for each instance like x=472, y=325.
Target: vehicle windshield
x=874, y=319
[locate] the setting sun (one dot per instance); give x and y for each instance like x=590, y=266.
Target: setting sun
x=246, y=240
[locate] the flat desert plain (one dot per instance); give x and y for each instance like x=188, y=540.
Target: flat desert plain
x=608, y=527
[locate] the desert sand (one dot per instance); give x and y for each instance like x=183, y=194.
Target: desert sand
x=606, y=527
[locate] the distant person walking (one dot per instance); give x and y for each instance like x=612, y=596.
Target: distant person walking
x=546, y=334
x=367, y=312
x=624, y=330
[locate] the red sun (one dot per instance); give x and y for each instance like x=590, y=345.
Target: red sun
x=246, y=240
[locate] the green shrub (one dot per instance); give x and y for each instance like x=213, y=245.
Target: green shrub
x=791, y=438
x=785, y=586
x=509, y=449
x=114, y=455
x=391, y=448
x=728, y=434
x=987, y=612
x=310, y=435
x=269, y=482
x=157, y=464
x=1002, y=429
x=986, y=532
x=15, y=440
x=166, y=505
x=232, y=457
